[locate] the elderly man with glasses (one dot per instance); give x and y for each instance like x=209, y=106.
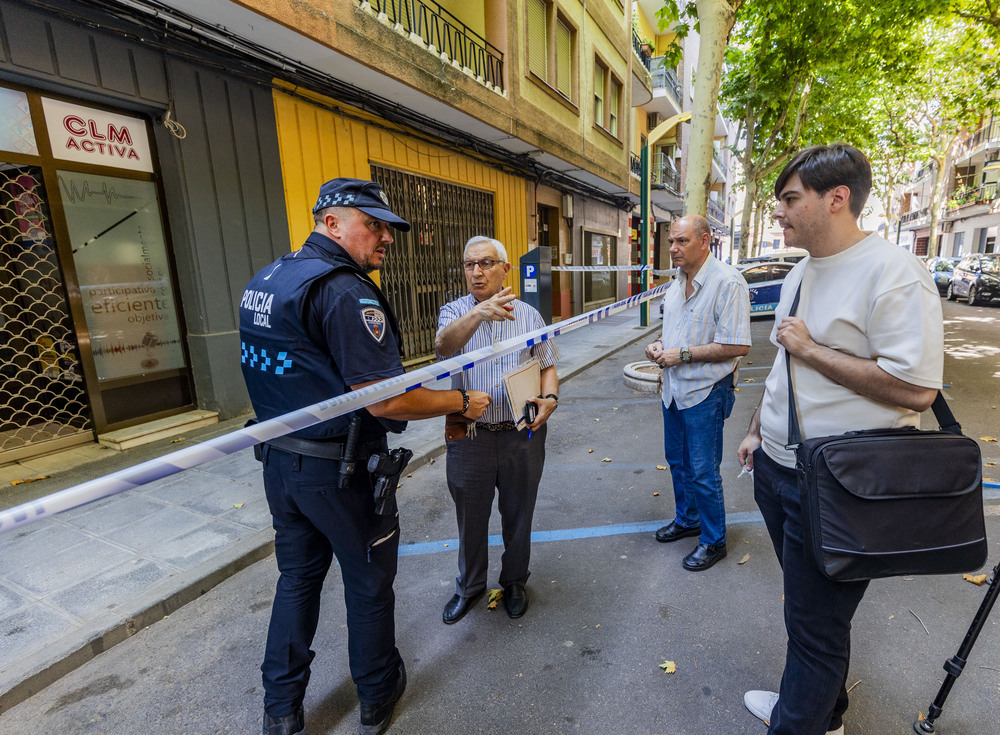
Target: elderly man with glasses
x=494, y=455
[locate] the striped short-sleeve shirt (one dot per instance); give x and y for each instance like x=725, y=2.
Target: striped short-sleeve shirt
x=717, y=311
x=488, y=376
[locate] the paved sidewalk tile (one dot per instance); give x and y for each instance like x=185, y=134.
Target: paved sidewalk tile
x=68, y=567
x=110, y=588
x=29, y=629
x=198, y=544
x=157, y=528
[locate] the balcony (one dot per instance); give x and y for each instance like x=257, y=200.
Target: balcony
x=666, y=78
x=716, y=212
x=663, y=175
x=635, y=165
x=987, y=136
x=983, y=194
x=442, y=33
x=639, y=47
x=914, y=216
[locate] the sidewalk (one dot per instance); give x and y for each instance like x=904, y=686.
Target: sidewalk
x=76, y=584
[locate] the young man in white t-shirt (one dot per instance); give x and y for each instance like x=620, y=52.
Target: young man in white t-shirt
x=866, y=347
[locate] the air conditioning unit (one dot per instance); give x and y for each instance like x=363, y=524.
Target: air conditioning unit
x=652, y=120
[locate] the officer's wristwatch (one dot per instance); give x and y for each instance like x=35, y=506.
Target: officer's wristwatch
x=686, y=355
x=465, y=400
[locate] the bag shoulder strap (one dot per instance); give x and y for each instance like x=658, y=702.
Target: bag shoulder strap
x=942, y=412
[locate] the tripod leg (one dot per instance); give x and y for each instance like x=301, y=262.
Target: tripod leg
x=956, y=663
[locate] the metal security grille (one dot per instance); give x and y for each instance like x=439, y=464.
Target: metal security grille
x=424, y=268
x=42, y=395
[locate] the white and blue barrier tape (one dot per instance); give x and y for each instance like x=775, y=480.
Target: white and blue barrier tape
x=183, y=459
x=610, y=268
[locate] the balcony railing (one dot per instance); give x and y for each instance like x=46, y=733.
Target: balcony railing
x=983, y=194
x=716, y=212
x=637, y=46
x=666, y=78
x=912, y=216
x=447, y=34
x=663, y=175
x=636, y=165
x=717, y=155
x=989, y=133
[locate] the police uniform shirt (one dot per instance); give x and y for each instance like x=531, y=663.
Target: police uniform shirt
x=344, y=313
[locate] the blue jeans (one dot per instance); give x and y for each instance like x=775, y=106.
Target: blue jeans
x=692, y=445
x=818, y=612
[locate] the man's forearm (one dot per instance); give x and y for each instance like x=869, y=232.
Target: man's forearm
x=864, y=377
x=456, y=334
x=716, y=352
x=419, y=403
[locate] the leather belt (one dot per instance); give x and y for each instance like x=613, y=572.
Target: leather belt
x=308, y=447
x=499, y=426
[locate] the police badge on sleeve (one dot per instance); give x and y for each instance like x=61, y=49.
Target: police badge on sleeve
x=374, y=321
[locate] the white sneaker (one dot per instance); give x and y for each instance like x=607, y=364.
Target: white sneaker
x=761, y=704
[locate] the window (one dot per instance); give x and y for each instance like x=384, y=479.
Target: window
x=551, y=46
x=607, y=98
x=600, y=250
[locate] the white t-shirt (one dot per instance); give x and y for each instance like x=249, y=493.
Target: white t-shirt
x=874, y=300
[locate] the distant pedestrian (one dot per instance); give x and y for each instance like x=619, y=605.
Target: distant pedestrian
x=706, y=329
x=866, y=347
x=313, y=326
x=497, y=457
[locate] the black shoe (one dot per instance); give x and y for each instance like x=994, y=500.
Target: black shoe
x=375, y=718
x=286, y=725
x=704, y=556
x=457, y=607
x=515, y=599
x=672, y=532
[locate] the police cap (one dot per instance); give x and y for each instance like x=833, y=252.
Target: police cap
x=360, y=194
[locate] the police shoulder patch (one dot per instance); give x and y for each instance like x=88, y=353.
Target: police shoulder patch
x=374, y=321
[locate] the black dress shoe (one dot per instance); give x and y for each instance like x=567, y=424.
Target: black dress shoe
x=375, y=718
x=457, y=607
x=704, y=556
x=672, y=532
x=515, y=599
x=286, y=724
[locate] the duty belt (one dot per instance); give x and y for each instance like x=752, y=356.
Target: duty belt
x=308, y=447
x=499, y=426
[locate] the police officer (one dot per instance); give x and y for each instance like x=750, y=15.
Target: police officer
x=313, y=325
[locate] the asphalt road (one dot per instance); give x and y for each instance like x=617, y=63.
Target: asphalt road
x=608, y=605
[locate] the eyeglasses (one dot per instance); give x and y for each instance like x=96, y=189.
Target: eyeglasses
x=484, y=264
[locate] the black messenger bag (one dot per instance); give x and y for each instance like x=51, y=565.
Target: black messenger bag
x=890, y=502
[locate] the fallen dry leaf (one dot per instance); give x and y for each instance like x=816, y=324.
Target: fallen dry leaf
x=410, y=475
x=590, y=451
x=669, y=667
x=744, y=560
x=237, y=505
x=976, y=579
x=495, y=596
x=614, y=408
x=596, y=419
x=174, y=441
x=891, y=617
x=661, y=467
x=990, y=464
x=29, y=479
x=749, y=380
x=655, y=495
x=987, y=438
x=736, y=389
x=606, y=459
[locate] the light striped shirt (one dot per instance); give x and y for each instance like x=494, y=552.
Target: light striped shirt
x=718, y=311
x=488, y=376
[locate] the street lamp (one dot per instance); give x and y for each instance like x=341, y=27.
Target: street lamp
x=644, y=207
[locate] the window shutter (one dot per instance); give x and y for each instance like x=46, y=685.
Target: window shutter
x=599, y=94
x=564, y=59
x=537, y=46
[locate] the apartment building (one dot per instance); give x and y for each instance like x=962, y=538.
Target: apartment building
x=969, y=215
x=153, y=155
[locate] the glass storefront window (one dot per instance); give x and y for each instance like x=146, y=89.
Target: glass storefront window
x=16, y=132
x=117, y=241
x=599, y=250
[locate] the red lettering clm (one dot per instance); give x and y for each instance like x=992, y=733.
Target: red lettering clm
x=75, y=125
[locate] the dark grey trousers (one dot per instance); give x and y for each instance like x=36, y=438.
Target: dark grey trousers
x=510, y=463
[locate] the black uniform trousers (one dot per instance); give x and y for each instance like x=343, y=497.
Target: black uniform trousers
x=314, y=519
x=504, y=461
x=818, y=612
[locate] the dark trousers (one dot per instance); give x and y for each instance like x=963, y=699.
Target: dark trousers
x=818, y=613
x=510, y=463
x=314, y=520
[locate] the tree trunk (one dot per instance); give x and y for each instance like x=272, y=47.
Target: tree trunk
x=749, y=201
x=715, y=18
x=935, y=207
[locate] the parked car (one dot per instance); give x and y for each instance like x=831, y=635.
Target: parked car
x=783, y=255
x=976, y=278
x=941, y=270
x=765, y=281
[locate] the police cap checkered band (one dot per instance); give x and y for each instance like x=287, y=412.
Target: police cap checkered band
x=360, y=194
